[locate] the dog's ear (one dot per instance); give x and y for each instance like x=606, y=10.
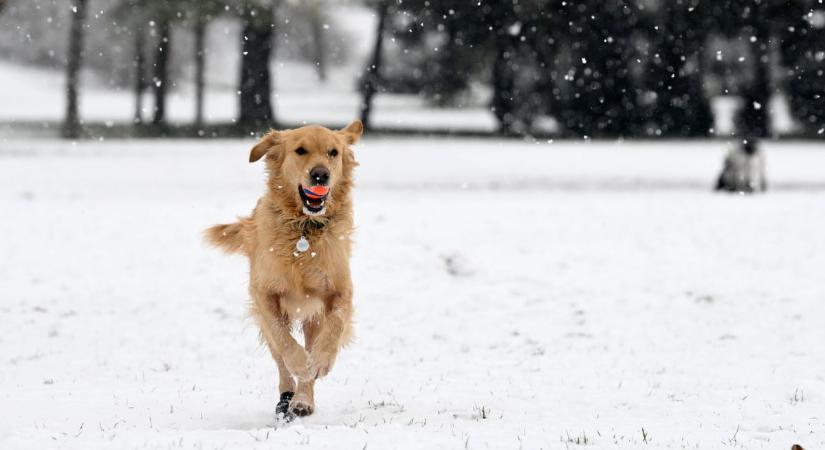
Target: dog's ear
x=267, y=144
x=353, y=131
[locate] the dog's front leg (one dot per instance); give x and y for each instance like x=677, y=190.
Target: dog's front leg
x=337, y=318
x=275, y=328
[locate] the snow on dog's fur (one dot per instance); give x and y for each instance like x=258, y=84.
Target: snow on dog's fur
x=287, y=286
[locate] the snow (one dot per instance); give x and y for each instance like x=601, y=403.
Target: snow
x=509, y=294
x=34, y=95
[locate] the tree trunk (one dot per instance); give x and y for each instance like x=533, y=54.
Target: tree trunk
x=317, y=23
x=161, y=75
x=140, y=74
x=255, y=86
x=450, y=79
x=799, y=40
x=757, y=95
x=72, y=124
x=200, y=67
x=503, y=84
x=682, y=109
x=371, y=76
x=699, y=120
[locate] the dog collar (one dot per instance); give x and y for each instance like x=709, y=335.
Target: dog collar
x=307, y=228
x=311, y=226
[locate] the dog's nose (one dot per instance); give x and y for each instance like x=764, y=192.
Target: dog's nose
x=319, y=175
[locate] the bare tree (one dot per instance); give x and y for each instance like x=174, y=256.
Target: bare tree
x=757, y=94
x=257, y=48
x=134, y=15
x=140, y=74
x=316, y=20
x=203, y=11
x=161, y=72
x=200, y=65
x=72, y=125
x=679, y=33
x=370, y=80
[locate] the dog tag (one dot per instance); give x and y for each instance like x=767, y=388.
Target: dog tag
x=302, y=245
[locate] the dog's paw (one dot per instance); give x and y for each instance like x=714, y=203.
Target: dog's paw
x=282, y=412
x=298, y=364
x=301, y=405
x=320, y=363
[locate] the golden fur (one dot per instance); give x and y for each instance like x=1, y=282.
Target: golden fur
x=313, y=288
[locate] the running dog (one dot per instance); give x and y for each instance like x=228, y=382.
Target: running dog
x=298, y=243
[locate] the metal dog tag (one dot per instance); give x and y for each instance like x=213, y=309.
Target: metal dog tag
x=302, y=245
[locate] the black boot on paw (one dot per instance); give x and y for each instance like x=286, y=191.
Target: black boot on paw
x=282, y=408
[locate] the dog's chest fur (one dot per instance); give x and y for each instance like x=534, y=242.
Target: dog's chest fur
x=312, y=276
x=301, y=281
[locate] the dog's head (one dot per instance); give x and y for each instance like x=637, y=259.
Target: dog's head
x=310, y=168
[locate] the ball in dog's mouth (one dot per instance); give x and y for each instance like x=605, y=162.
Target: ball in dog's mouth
x=314, y=199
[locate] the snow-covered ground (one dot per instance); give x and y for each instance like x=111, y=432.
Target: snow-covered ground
x=31, y=94
x=509, y=295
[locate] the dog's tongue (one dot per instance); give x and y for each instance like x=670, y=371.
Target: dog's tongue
x=316, y=191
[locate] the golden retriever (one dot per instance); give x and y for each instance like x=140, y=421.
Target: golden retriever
x=298, y=244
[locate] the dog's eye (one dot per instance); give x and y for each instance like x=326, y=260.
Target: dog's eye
x=300, y=151
x=333, y=153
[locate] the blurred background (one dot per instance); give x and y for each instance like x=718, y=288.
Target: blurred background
x=636, y=68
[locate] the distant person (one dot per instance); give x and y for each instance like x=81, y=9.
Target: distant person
x=744, y=169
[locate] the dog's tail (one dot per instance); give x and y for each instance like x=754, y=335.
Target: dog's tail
x=227, y=237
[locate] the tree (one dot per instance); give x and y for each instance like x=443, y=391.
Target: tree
x=370, y=80
x=758, y=92
x=200, y=66
x=490, y=40
x=134, y=16
x=444, y=33
x=140, y=74
x=605, y=100
x=72, y=125
x=505, y=31
x=316, y=21
x=203, y=11
x=682, y=107
x=160, y=76
x=159, y=16
x=257, y=50
x=802, y=31
x=450, y=79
